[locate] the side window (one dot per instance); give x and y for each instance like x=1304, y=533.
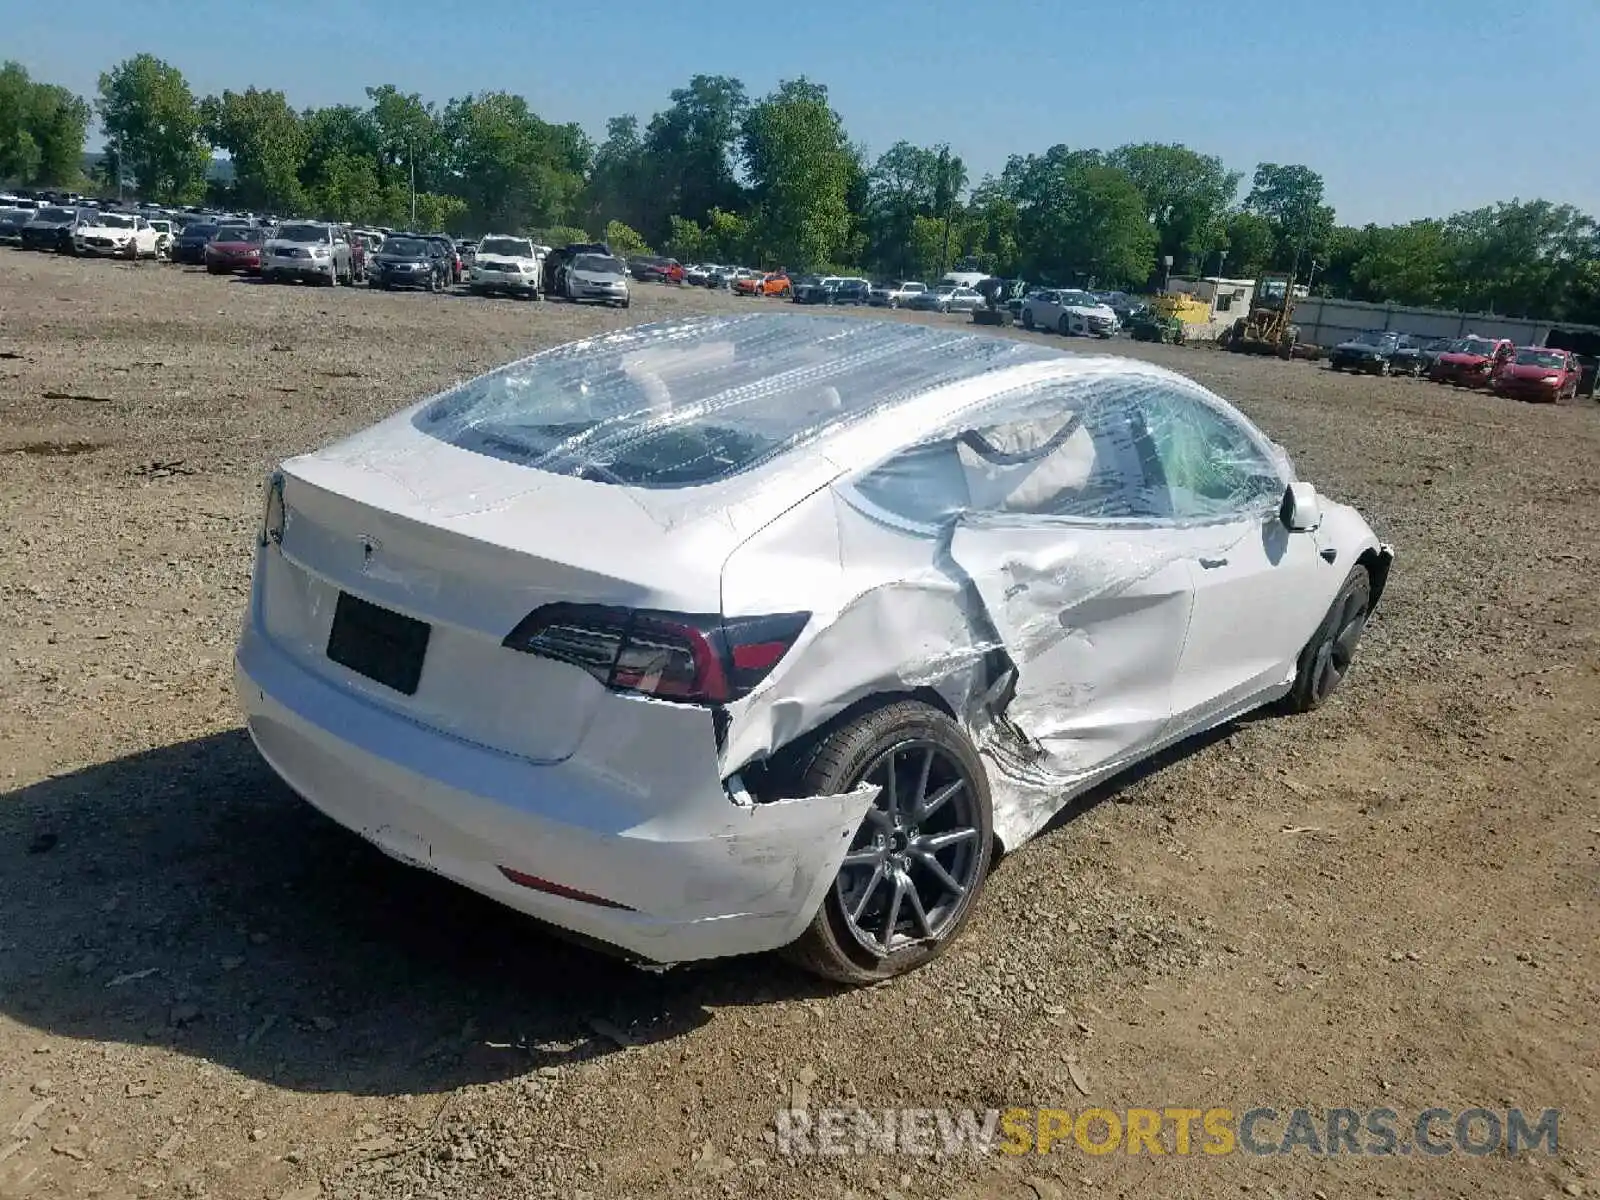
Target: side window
x=1077, y=450
x=1211, y=465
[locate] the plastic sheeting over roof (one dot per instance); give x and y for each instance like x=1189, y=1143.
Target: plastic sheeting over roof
x=698, y=401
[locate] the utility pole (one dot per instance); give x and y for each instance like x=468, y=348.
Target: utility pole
x=411, y=160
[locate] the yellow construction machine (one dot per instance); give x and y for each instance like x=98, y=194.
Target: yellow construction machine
x=1269, y=327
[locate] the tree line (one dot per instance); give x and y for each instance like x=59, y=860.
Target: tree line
x=775, y=180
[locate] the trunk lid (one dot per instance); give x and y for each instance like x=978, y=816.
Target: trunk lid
x=470, y=558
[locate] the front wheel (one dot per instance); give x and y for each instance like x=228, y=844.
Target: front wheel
x=1064, y=327
x=1326, y=659
x=917, y=864
x=1027, y=318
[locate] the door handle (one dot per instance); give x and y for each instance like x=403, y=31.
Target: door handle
x=1212, y=564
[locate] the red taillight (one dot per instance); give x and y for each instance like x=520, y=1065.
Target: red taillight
x=535, y=883
x=690, y=658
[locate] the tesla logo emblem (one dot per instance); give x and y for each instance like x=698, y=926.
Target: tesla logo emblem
x=369, y=547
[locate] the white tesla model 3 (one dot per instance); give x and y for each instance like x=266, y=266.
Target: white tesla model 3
x=738, y=633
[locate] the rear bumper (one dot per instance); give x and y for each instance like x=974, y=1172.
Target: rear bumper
x=635, y=816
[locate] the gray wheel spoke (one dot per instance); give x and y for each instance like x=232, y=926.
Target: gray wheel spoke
x=866, y=895
x=932, y=804
x=936, y=869
x=891, y=792
x=1350, y=636
x=917, y=911
x=866, y=857
x=893, y=918
x=940, y=841
x=922, y=784
x=1326, y=672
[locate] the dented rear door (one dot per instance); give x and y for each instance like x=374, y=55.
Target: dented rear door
x=1093, y=619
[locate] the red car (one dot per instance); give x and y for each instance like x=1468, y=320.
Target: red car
x=1534, y=373
x=1472, y=362
x=235, y=248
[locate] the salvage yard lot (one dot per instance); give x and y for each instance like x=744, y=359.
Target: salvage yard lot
x=206, y=989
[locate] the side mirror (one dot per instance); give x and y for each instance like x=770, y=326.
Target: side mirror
x=1300, y=511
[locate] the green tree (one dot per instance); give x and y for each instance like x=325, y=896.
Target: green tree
x=409, y=139
x=151, y=116
x=907, y=186
x=801, y=168
x=1250, y=242
x=340, y=172
x=1521, y=258
x=1079, y=219
x=991, y=228
x=42, y=128
x=267, y=141
x=561, y=235
x=1403, y=264
x=690, y=147
x=685, y=240
x=1290, y=197
x=728, y=237
x=621, y=178
x=1185, y=194
x=624, y=240
x=513, y=170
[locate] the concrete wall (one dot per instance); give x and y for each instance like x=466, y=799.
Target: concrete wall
x=1325, y=322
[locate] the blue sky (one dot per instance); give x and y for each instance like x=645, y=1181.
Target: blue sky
x=1408, y=108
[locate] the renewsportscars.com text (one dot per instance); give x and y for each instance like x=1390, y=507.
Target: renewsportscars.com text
x=1261, y=1131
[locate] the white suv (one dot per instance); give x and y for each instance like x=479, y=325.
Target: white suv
x=509, y=265
x=309, y=251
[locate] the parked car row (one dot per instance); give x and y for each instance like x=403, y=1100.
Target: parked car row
x=1473, y=361
x=326, y=253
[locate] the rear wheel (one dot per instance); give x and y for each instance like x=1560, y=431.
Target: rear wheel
x=916, y=866
x=1027, y=318
x=1326, y=660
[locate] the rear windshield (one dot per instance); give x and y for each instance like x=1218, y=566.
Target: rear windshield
x=51, y=215
x=698, y=401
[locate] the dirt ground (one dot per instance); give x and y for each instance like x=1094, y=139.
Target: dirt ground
x=206, y=990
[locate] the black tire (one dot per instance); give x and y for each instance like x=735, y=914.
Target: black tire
x=1064, y=326
x=838, y=763
x=1328, y=656
x=1027, y=318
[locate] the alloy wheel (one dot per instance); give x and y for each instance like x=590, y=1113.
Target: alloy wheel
x=1339, y=649
x=916, y=856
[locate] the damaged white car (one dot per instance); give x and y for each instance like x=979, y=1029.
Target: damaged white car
x=739, y=633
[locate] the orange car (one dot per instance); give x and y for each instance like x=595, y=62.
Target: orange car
x=776, y=284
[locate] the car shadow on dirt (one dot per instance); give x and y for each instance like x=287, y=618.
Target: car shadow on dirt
x=183, y=897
